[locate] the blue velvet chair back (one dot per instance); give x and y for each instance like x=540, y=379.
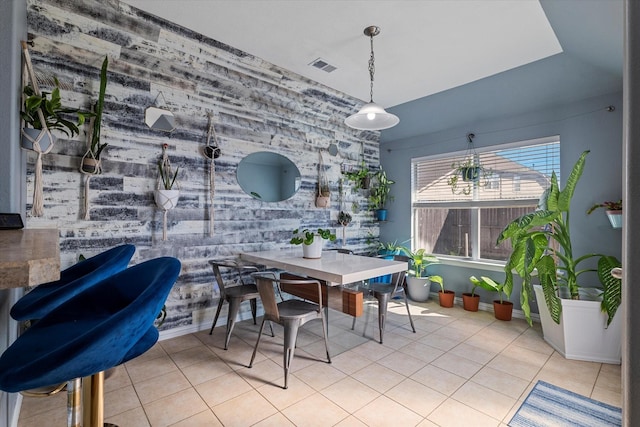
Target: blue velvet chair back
x=46, y=297
x=99, y=328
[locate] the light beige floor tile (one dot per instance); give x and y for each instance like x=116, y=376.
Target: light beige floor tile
x=119, y=401
x=192, y=356
x=607, y=396
x=140, y=371
x=485, y=400
x=275, y=420
x=527, y=356
x=501, y=382
x=609, y=380
x=306, y=412
x=161, y=386
x=244, y=410
x=386, y=412
x=457, y=365
x=395, y=341
x=415, y=396
x=48, y=418
x=402, y=363
x=222, y=388
x=518, y=368
x=265, y=372
x=532, y=340
x=203, y=419
x=32, y=406
x=350, y=394
x=177, y=407
x=455, y=414
x=116, y=378
x=378, y=377
x=427, y=423
x=206, y=370
x=283, y=398
x=152, y=353
x=424, y=352
x=351, y=421
x=181, y=343
x=373, y=350
x=441, y=342
x=478, y=355
x=350, y=362
x=438, y=379
x=320, y=375
x=134, y=417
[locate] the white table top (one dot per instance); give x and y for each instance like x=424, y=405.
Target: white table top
x=333, y=267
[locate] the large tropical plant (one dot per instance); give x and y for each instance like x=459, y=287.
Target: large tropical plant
x=541, y=242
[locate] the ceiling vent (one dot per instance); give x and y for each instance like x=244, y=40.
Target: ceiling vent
x=323, y=65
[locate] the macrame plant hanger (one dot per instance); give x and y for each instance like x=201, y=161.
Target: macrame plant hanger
x=166, y=166
x=28, y=74
x=97, y=170
x=211, y=152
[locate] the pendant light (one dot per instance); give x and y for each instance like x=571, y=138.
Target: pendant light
x=372, y=116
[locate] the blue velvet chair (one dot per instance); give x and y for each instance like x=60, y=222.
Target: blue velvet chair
x=101, y=327
x=46, y=297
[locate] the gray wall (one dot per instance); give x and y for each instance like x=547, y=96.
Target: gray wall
x=584, y=125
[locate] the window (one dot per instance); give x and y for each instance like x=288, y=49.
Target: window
x=468, y=225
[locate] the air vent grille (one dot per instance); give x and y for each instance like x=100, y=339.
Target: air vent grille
x=323, y=65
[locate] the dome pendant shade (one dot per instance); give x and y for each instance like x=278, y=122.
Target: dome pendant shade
x=372, y=117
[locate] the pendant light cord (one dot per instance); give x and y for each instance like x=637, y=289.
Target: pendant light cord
x=372, y=68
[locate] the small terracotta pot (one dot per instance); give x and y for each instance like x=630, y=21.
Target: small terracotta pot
x=470, y=302
x=323, y=201
x=446, y=298
x=503, y=310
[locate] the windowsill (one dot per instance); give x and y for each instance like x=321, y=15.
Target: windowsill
x=484, y=264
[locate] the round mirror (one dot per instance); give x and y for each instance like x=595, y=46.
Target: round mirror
x=269, y=177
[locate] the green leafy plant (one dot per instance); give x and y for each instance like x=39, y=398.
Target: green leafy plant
x=467, y=174
x=307, y=236
x=53, y=112
x=96, y=147
x=385, y=248
x=487, y=283
x=344, y=218
x=419, y=261
x=541, y=241
x=380, y=189
x=610, y=206
x=360, y=177
x=168, y=178
x=611, y=286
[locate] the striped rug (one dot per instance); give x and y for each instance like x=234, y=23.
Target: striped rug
x=551, y=406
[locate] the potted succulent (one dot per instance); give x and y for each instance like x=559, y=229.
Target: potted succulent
x=418, y=283
x=613, y=210
x=541, y=241
x=379, y=194
x=311, y=247
x=43, y=112
x=166, y=196
x=91, y=163
x=344, y=219
x=502, y=309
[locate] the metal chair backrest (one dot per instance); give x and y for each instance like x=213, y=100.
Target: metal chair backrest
x=397, y=279
x=268, y=296
x=216, y=265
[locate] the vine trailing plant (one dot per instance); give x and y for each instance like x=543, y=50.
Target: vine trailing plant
x=307, y=236
x=541, y=241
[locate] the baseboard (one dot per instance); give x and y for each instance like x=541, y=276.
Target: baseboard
x=487, y=306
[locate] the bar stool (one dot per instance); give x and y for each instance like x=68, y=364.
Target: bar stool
x=97, y=329
x=234, y=295
x=46, y=297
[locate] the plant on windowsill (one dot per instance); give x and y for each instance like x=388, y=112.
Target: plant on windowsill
x=379, y=194
x=541, y=241
x=502, y=309
x=418, y=283
x=613, y=210
x=311, y=247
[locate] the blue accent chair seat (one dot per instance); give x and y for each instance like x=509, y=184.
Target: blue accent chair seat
x=48, y=296
x=99, y=328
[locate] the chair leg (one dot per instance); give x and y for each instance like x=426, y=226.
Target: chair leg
x=290, y=337
x=215, y=319
x=255, y=349
x=74, y=403
x=96, y=403
x=234, y=307
x=383, y=301
x=325, y=331
x=406, y=304
x=254, y=309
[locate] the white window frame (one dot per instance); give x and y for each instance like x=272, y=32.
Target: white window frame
x=474, y=206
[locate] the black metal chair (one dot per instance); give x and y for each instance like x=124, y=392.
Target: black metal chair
x=291, y=314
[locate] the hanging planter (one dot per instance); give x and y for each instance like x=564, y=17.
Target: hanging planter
x=468, y=173
x=323, y=195
x=165, y=196
x=211, y=152
x=613, y=211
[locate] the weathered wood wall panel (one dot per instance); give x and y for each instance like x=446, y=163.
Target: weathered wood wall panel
x=256, y=106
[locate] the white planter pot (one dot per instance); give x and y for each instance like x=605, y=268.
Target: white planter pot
x=615, y=218
x=418, y=288
x=582, y=333
x=166, y=199
x=314, y=250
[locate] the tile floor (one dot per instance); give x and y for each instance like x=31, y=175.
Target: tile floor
x=459, y=369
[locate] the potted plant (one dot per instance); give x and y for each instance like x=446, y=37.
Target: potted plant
x=43, y=112
x=470, y=300
x=613, y=210
x=502, y=309
x=344, y=219
x=166, y=196
x=541, y=241
x=379, y=195
x=311, y=247
x=467, y=174
x=360, y=176
x=91, y=160
x=418, y=284
x=323, y=195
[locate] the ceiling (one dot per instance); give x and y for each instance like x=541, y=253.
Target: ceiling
x=436, y=61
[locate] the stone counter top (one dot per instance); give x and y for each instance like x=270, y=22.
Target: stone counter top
x=29, y=257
